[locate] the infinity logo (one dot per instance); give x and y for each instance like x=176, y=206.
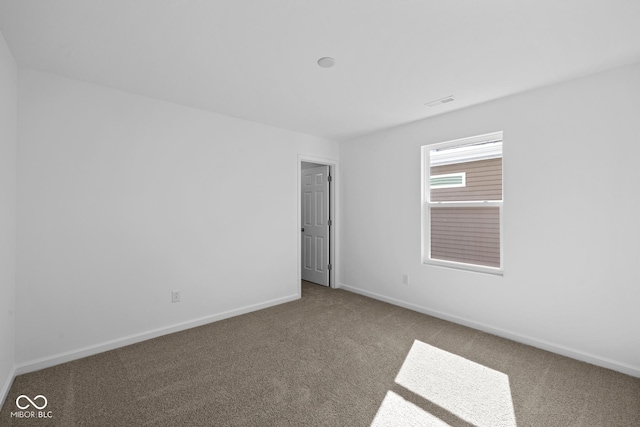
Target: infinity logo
x=22, y=396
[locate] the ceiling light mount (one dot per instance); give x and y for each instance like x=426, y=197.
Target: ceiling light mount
x=326, y=62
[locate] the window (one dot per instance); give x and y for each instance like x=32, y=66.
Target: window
x=462, y=203
x=448, y=180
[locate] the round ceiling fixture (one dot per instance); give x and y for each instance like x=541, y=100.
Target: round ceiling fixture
x=326, y=62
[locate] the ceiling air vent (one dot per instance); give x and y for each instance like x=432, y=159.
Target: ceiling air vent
x=441, y=101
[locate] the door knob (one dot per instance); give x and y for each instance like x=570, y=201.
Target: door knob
x=302, y=230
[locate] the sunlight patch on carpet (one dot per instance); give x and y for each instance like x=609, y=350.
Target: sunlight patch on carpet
x=470, y=391
x=397, y=412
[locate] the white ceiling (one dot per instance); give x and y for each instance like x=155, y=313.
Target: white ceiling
x=256, y=59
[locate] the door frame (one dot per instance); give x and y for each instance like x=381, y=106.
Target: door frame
x=335, y=218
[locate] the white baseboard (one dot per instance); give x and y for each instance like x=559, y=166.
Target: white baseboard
x=534, y=342
x=46, y=362
x=6, y=386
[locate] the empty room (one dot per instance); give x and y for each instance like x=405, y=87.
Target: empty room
x=319, y=213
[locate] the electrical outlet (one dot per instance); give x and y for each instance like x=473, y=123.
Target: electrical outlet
x=405, y=279
x=175, y=296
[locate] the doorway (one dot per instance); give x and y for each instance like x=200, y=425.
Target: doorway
x=317, y=225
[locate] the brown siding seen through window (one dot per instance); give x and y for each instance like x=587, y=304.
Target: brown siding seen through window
x=484, y=181
x=466, y=234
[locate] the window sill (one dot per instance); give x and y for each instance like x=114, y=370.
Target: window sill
x=464, y=267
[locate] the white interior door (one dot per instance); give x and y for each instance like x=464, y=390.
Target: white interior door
x=315, y=225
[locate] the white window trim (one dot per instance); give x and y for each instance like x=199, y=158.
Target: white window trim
x=427, y=204
x=467, y=153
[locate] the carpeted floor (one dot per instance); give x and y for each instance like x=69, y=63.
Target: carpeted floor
x=332, y=358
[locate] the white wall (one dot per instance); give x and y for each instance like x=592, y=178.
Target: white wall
x=122, y=199
x=571, y=219
x=8, y=142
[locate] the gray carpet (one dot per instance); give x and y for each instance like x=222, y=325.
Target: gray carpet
x=333, y=358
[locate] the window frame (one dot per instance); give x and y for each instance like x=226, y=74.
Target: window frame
x=427, y=204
